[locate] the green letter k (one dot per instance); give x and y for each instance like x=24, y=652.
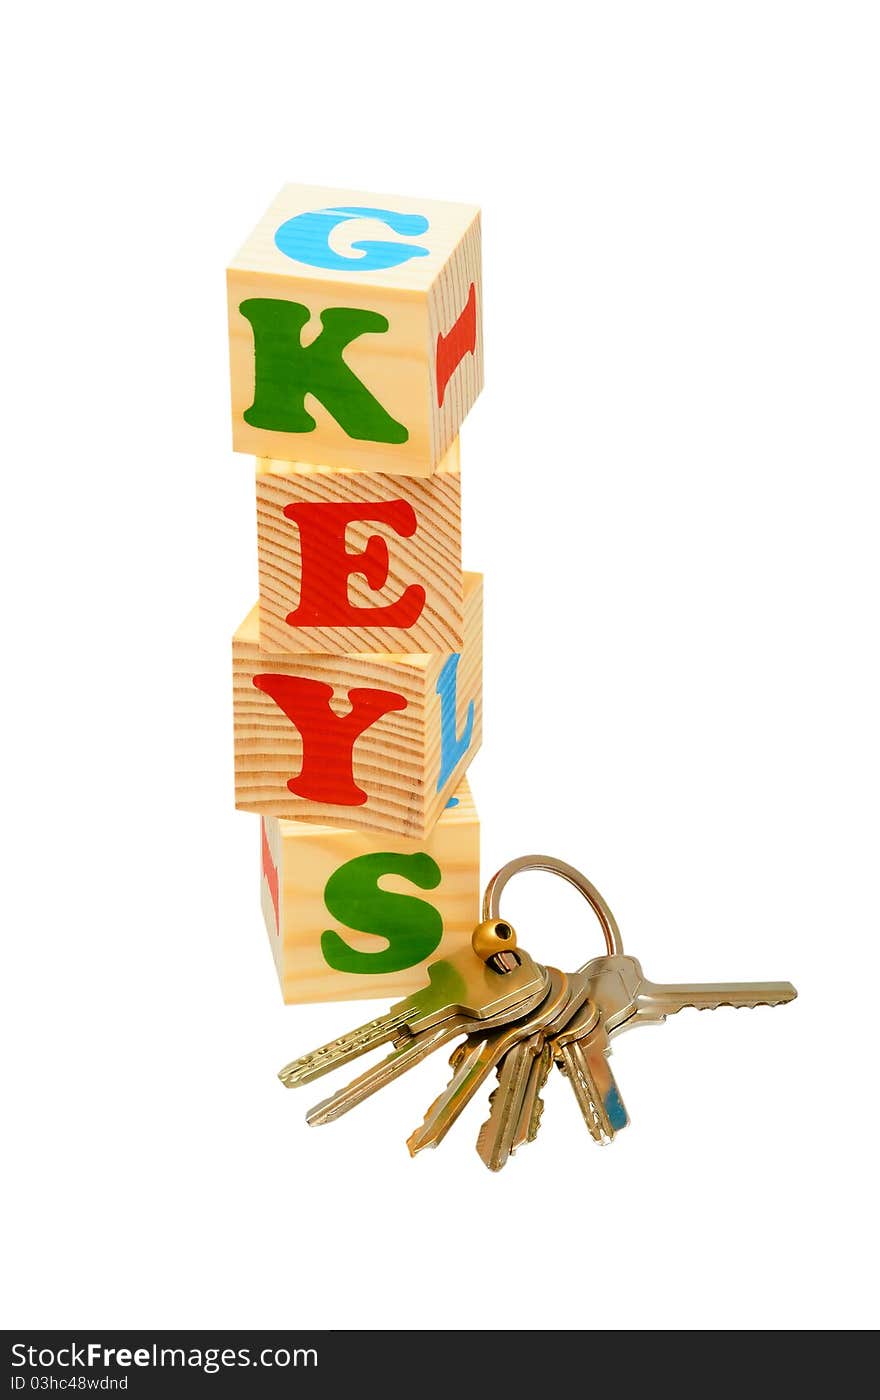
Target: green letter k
x=285, y=371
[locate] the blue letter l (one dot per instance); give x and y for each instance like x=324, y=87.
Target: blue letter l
x=451, y=747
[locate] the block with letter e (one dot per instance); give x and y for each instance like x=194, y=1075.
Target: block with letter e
x=359, y=561
x=355, y=330
x=373, y=740
x=354, y=913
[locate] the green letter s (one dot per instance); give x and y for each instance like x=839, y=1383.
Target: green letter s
x=411, y=927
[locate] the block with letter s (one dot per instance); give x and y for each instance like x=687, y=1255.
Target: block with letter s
x=351, y=913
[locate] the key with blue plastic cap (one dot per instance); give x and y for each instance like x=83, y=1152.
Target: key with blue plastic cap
x=625, y=998
x=581, y=1052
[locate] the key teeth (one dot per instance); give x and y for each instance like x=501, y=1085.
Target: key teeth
x=486, y=1133
x=483, y=1137
x=339, y=1051
x=412, y=1142
x=486, y=1128
x=602, y=1137
x=457, y=1055
x=593, y=1113
x=537, y=1115
x=731, y=1005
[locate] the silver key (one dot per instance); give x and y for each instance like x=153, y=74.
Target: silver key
x=622, y=993
x=624, y=998
x=621, y=981
x=657, y=1000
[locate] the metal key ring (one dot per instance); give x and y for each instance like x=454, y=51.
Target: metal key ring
x=492, y=896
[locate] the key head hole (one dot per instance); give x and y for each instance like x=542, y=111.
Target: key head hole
x=491, y=937
x=504, y=962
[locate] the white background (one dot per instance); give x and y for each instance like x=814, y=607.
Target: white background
x=670, y=484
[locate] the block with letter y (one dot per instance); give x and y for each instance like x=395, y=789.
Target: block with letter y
x=371, y=740
x=355, y=330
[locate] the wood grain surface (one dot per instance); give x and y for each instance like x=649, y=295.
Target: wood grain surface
x=303, y=856
x=421, y=299
x=430, y=557
x=396, y=761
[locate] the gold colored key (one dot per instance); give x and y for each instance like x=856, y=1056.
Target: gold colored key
x=482, y=1053
x=508, y=1104
x=466, y=987
x=515, y=1051
x=584, y=1015
x=517, y=1018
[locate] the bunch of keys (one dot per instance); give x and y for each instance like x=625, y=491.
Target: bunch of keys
x=518, y=1019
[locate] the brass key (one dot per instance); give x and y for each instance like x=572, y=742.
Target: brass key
x=463, y=989
x=583, y=1018
x=514, y=1110
x=481, y=1054
x=508, y=1104
x=516, y=1105
x=533, y=1104
x=517, y=1017
x=496, y=1138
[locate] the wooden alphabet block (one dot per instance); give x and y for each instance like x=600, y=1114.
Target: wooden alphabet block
x=373, y=740
x=355, y=330
x=360, y=914
x=359, y=561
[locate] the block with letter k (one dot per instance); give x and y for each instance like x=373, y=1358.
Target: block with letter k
x=355, y=329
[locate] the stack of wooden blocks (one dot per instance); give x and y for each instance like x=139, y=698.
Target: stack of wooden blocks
x=356, y=351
